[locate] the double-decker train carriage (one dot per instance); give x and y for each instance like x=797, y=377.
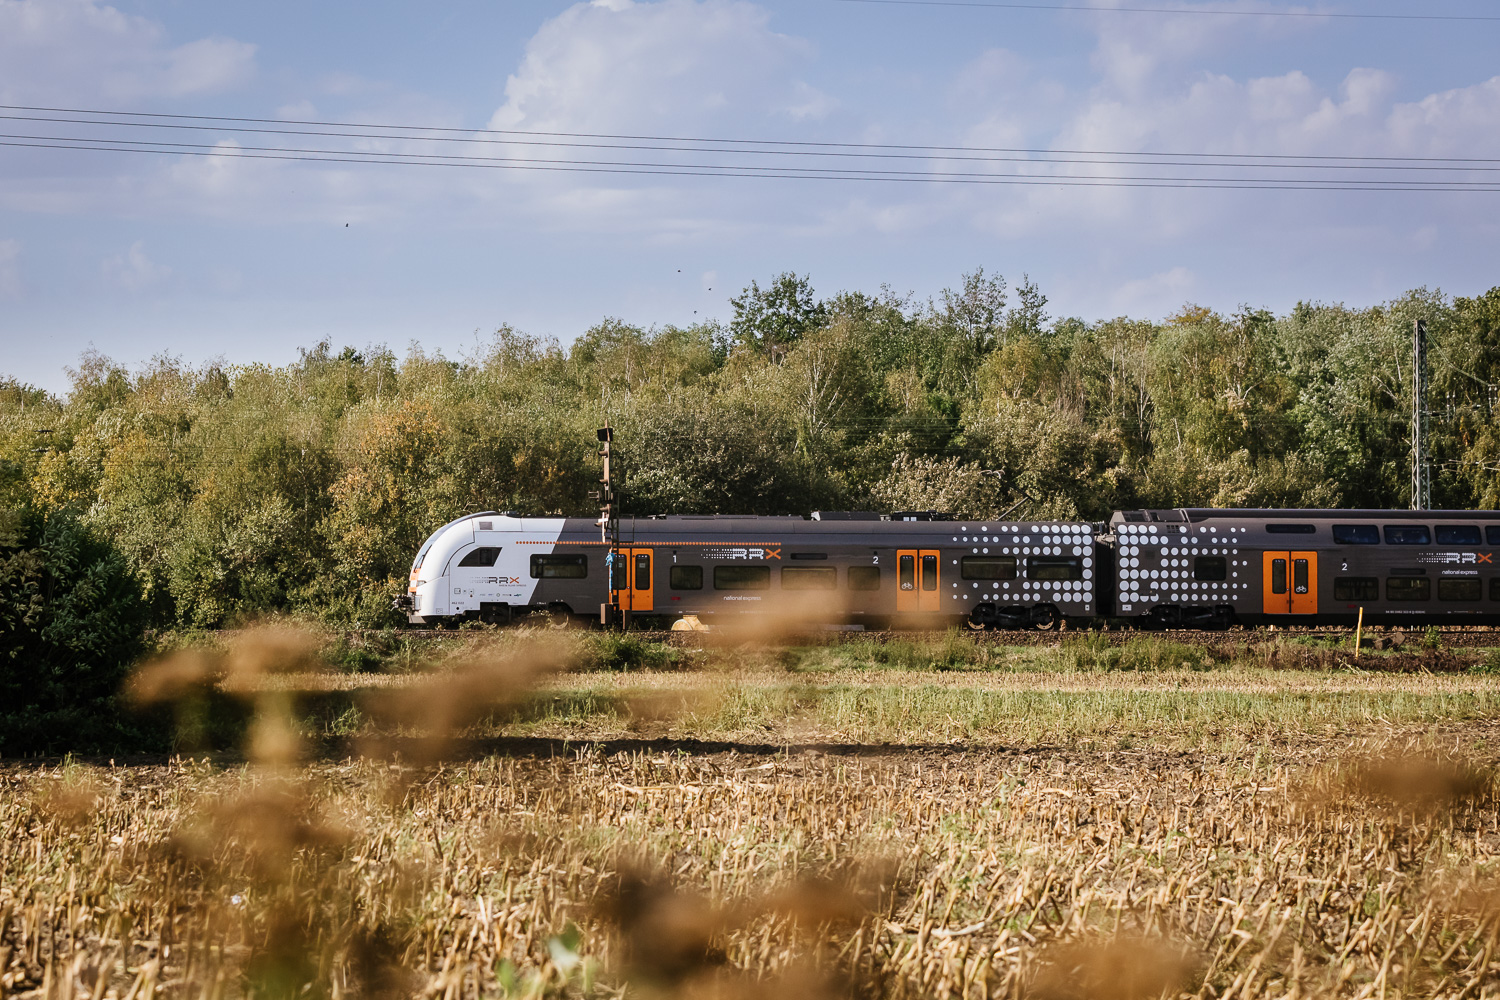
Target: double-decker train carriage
x=1211, y=568
x=852, y=568
x=1184, y=568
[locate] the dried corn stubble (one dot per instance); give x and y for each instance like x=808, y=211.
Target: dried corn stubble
x=259, y=833
x=1126, y=968
x=69, y=803
x=1408, y=785
x=672, y=940
x=427, y=722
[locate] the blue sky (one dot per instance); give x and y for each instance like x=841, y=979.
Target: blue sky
x=246, y=260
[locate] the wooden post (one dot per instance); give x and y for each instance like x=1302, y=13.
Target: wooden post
x=1358, y=632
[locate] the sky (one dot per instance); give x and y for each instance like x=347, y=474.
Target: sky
x=227, y=257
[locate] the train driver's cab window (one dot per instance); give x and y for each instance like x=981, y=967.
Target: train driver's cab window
x=1408, y=588
x=864, y=577
x=987, y=567
x=1054, y=568
x=809, y=578
x=559, y=567
x=1356, y=534
x=1356, y=588
x=1407, y=534
x=1459, y=534
x=742, y=578
x=1210, y=568
x=484, y=556
x=685, y=578
x=1460, y=588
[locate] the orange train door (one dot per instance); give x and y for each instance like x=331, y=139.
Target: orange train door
x=631, y=580
x=917, y=580
x=1290, y=584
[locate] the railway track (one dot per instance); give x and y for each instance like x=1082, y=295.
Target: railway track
x=1471, y=637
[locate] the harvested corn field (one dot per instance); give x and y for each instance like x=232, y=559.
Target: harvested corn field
x=962, y=874
x=467, y=837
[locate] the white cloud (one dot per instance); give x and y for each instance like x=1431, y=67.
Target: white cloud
x=1156, y=295
x=690, y=65
x=133, y=270
x=10, y=269
x=83, y=50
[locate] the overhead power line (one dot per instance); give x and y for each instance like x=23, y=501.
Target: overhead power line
x=96, y=131
x=784, y=173
x=1207, y=11
x=226, y=122
x=947, y=153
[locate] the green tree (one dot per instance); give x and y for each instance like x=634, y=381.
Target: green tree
x=772, y=319
x=71, y=621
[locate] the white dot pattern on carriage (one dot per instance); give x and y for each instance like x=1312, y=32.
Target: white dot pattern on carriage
x=1029, y=544
x=1160, y=564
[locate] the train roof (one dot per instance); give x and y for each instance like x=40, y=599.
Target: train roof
x=1195, y=515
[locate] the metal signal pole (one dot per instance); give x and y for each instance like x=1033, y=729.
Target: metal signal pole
x=1421, y=475
x=609, y=524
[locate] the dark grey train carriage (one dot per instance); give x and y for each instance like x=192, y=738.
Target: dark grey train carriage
x=1211, y=568
x=854, y=568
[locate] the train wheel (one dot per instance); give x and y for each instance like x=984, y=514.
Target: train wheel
x=1048, y=618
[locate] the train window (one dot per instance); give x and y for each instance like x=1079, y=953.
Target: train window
x=1458, y=534
x=643, y=571
x=1356, y=588
x=809, y=555
x=1407, y=534
x=929, y=573
x=685, y=578
x=906, y=572
x=1210, y=568
x=559, y=567
x=864, y=577
x=1408, y=588
x=1460, y=588
x=1278, y=576
x=742, y=578
x=1495, y=588
x=809, y=578
x=484, y=556
x=987, y=567
x=1291, y=529
x=1493, y=534
x=1356, y=534
x=1299, y=576
x=1054, y=568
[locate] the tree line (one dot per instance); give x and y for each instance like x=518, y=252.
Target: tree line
x=229, y=491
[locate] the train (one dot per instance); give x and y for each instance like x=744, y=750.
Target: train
x=1178, y=568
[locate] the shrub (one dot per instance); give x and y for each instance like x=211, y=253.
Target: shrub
x=71, y=623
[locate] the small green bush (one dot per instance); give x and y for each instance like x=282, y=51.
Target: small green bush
x=1489, y=665
x=72, y=619
x=1093, y=651
x=625, y=651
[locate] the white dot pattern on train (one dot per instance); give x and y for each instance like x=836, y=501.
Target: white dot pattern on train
x=1154, y=564
x=1022, y=541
